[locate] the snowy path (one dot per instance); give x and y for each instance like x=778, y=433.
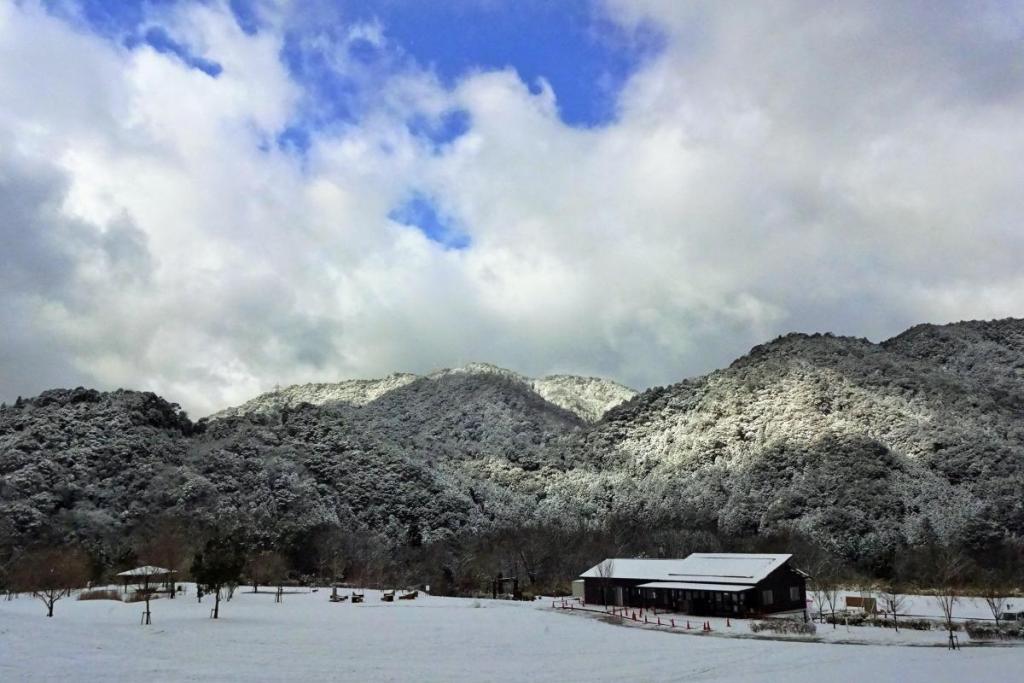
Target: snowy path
x=429, y=639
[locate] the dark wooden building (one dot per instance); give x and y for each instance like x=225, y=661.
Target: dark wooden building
x=703, y=584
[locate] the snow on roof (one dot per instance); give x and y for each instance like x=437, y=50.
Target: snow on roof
x=727, y=587
x=148, y=570
x=731, y=568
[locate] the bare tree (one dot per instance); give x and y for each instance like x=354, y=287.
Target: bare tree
x=165, y=546
x=892, y=598
x=458, y=564
x=818, y=596
x=994, y=589
x=825, y=587
x=950, y=571
x=820, y=566
x=332, y=548
x=267, y=568
x=605, y=573
x=50, y=574
x=831, y=590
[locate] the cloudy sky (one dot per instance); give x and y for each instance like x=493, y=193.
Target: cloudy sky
x=205, y=199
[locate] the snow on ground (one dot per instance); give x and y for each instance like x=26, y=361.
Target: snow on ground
x=428, y=639
x=926, y=606
x=740, y=628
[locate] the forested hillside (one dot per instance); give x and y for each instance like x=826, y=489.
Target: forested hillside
x=861, y=449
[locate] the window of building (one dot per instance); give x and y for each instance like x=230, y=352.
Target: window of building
x=767, y=598
x=794, y=593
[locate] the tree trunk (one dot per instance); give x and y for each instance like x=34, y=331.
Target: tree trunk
x=49, y=608
x=216, y=604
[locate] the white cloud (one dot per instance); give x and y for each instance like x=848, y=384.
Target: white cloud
x=818, y=166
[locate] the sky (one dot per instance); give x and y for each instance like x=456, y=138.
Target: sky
x=208, y=199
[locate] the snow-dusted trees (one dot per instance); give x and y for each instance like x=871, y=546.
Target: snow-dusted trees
x=816, y=434
x=218, y=566
x=50, y=574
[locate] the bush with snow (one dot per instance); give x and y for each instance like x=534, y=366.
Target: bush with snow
x=784, y=626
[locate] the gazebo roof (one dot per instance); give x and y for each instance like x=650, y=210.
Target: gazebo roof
x=148, y=570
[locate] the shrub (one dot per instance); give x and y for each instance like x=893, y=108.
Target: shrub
x=984, y=631
x=911, y=624
x=100, y=594
x=784, y=626
x=878, y=621
x=847, y=618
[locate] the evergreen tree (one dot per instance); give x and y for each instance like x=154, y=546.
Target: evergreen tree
x=219, y=564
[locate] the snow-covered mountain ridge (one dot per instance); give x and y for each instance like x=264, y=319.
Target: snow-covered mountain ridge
x=355, y=392
x=587, y=397
x=866, y=448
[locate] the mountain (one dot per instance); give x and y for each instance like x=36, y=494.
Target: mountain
x=861, y=445
x=864, y=448
x=86, y=464
x=587, y=397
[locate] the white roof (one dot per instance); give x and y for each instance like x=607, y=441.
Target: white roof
x=148, y=570
x=727, y=587
x=731, y=568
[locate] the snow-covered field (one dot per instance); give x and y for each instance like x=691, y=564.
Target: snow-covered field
x=429, y=639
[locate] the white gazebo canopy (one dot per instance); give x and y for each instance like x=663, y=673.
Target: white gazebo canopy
x=148, y=570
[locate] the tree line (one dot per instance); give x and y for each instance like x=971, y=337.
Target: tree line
x=544, y=557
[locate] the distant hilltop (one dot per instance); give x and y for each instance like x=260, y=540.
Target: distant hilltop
x=587, y=397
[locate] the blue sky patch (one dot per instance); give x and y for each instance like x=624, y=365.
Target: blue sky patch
x=585, y=57
x=442, y=131
x=420, y=212
x=245, y=15
x=330, y=96
x=294, y=138
x=158, y=39
x=571, y=44
x=110, y=18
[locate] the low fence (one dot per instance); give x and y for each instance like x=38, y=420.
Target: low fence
x=637, y=615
